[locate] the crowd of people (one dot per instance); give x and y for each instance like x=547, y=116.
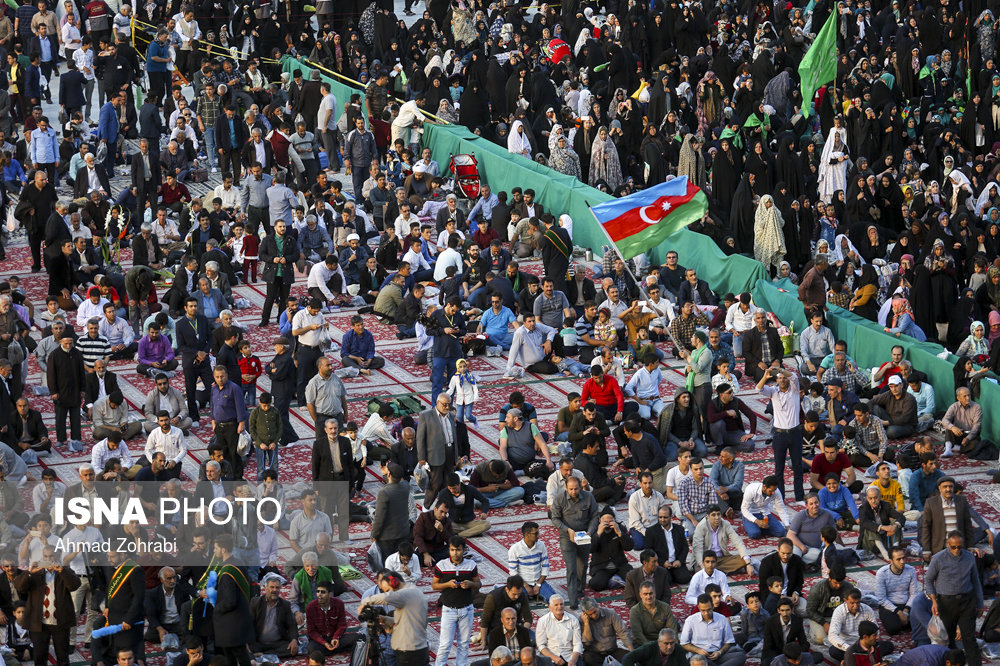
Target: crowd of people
x=878, y=195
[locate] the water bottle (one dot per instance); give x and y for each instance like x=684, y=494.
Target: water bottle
x=687, y=534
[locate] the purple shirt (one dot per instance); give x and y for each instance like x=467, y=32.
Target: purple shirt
x=151, y=351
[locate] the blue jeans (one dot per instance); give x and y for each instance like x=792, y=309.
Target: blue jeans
x=577, y=368
x=737, y=346
x=774, y=527
x=638, y=539
x=502, y=341
x=654, y=407
x=563, y=436
x=456, y=627
x=700, y=450
x=441, y=371
x=266, y=460
x=464, y=413
x=209, y=136
x=250, y=395
x=407, y=331
x=501, y=498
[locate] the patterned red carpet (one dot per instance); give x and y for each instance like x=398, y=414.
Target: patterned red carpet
x=402, y=376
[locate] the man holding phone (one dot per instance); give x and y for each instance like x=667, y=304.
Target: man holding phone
x=457, y=579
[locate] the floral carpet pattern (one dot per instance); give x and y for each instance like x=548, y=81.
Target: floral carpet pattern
x=401, y=376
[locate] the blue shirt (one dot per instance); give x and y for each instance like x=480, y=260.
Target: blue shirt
x=46, y=49
x=497, y=325
x=836, y=502
x=232, y=131
x=922, y=487
x=925, y=655
x=227, y=403
x=358, y=345
x=160, y=51
x=44, y=146
x=209, y=308
x=285, y=323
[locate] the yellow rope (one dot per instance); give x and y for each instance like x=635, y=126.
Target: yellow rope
x=361, y=87
x=207, y=47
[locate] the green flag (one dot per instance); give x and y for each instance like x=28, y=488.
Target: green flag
x=820, y=64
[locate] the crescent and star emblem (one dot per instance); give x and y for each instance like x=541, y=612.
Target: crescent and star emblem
x=658, y=210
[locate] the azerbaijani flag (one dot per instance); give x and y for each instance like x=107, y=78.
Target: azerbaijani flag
x=645, y=219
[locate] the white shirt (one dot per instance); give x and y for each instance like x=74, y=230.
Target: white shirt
x=171, y=444
x=698, y=582
x=329, y=104
x=755, y=502
x=737, y=320
x=402, y=225
x=85, y=62
x=449, y=257
x=408, y=113
x=416, y=260
x=392, y=563
x=303, y=319
x=785, y=403
x=319, y=275
x=165, y=233
x=444, y=236
x=560, y=637
x=230, y=198
x=87, y=309
x=642, y=510
x=70, y=36
x=101, y=454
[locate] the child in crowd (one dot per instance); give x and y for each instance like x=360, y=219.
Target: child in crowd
x=752, y=619
x=569, y=337
x=839, y=294
x=250, y=370
x=723, y=376
x=604, y=329
x=643, y=345
x=815, y=400
x=773, y=595
x=831, y=554
x=464, y=392
x=359, y=447
x=839, y=502
x=18, y=636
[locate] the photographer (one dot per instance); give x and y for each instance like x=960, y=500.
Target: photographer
x=408, y=623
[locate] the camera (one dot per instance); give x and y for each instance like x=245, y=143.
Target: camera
x=371, y=614
x=430, y=323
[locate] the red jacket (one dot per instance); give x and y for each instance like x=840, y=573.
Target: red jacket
x=605, y=395
x=250, y=366
x=322, y=625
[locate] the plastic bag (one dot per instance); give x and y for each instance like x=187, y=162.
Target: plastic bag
x=374, y=556
x=936, y=631
x=12, y=222
x=243, y=447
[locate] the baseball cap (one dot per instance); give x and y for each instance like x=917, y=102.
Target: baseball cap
x=895, y=379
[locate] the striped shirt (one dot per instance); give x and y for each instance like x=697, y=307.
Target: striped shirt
x=529, y=563
x=93, y=349
x=445, y=571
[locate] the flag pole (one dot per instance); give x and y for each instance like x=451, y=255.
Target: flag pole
x=638, y=283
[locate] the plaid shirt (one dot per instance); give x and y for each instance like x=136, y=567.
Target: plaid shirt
x=209, y=110
x=853, y=379
x=871, y=436
x=683, y=328
x=694, y=498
